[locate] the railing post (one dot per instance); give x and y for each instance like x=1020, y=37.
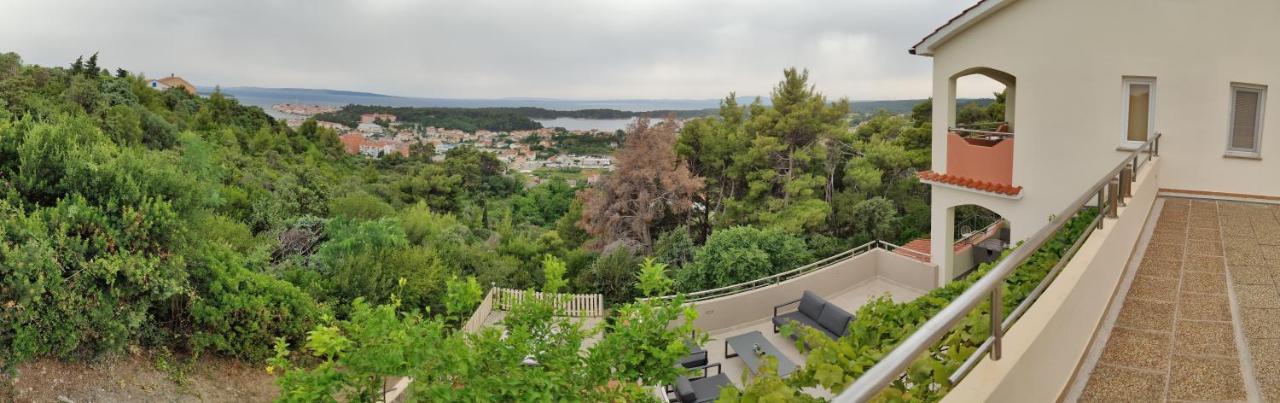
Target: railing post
x=1133, y=171
x=997, y=323
x=1155, y=146
x=1113, y=193
x=1102, y=204
x=1124, y=184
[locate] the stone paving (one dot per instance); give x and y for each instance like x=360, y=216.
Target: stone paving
x=1210, y=273
x=1253, y=261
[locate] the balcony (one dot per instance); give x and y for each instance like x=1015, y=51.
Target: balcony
x=981, y=155
x=847, y=280
x=1037, y=346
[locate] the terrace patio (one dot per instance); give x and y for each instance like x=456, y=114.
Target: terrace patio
x=848, y=281
x=1198, y=315
x=849, y=299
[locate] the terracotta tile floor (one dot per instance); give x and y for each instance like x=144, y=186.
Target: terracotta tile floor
x=1176, y=336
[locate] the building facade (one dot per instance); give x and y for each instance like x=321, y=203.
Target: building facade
x=1087, y=80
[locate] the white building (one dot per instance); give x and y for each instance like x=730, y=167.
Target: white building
x=369, y=129
x=1088, y=81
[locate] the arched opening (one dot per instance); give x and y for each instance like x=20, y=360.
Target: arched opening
x=979, y=234
x=981, y=99
x=979, y=146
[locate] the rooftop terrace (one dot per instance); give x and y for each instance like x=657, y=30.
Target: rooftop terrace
x=1198, y=315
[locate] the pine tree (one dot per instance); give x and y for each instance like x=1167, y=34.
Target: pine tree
x=78, y=67
x=790, y=177
x=91, y=69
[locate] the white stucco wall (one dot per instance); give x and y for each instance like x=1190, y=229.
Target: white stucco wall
x=1069, y=58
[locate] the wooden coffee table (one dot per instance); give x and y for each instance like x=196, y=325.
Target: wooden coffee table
x=743, y=345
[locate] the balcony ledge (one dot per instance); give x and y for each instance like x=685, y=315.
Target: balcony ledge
x=1042, y=351
x=970, y=185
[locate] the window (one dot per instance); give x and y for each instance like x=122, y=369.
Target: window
x=1244, y=137
x=1139, y=103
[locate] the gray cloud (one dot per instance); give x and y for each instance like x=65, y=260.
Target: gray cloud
x=489, y=48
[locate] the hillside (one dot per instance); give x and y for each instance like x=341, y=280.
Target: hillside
x=197, y=225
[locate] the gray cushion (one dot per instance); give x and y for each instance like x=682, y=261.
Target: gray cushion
x=795, y=317
x=693, y=360
x=684, y=390
x=811, y=304
x=708, y=389
x=835, y=320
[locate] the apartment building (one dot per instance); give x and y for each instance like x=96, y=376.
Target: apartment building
x=1157, y=113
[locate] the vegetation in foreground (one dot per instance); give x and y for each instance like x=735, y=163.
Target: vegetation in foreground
x=134, y=217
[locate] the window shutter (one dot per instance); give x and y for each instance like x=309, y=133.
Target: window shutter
x=1244, y=125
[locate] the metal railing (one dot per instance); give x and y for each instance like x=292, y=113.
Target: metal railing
x=981, y=125
x=982, y=233
x=786, y=275
x=1110, y=192
x=980, y=133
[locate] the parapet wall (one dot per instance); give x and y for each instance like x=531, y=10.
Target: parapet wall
x=1043, y=349
x=754, y=305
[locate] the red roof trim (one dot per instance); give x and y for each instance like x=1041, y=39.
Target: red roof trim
x=979, y=185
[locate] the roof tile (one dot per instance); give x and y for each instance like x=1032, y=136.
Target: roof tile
x=979, y=185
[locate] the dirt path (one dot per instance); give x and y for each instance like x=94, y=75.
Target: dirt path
x=140, y=378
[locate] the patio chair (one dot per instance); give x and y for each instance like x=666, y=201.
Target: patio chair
x=697, y=356
x=698, y=389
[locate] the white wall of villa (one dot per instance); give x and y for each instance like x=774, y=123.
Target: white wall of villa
x=1069, y=59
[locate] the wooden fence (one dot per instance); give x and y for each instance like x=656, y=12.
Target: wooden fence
x=588, y=305
x=482, y=312
x=502, y=299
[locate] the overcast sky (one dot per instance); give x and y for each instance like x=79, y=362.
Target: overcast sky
x=578, y=49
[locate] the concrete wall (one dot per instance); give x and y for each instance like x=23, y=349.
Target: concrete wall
x=1069, y=58
x=1043, y=349
x=750, y=306
x=992, y=163
x=906, y=271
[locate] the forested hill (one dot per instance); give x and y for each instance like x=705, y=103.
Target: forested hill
x=903, y=106
x=466, y=119
x=541, y=113
x=523, y=118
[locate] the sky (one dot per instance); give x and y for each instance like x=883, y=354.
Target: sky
x=569, y=49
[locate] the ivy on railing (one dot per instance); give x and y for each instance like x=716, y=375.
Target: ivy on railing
x=882, y=323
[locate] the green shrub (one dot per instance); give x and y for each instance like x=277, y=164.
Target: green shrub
x=675, y=247
x=739, y=254
x=239, y=312
x=360, y=206
x=73, y=284
x=613, y=274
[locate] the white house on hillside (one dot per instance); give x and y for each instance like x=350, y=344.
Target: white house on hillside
x=1088, y=79
x=1159, y=111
